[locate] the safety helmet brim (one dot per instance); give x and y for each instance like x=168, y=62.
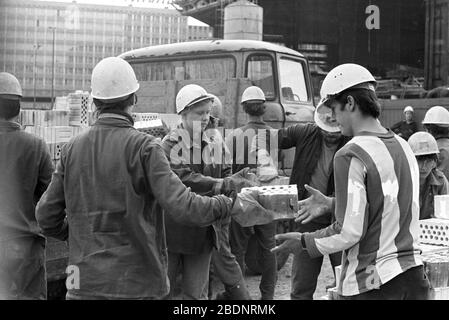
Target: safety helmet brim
x=323, y=112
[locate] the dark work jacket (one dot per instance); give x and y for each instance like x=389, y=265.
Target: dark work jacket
x=114, y=181
x=436, y=184
x=308, y=141
x=26, y=168
x=203, y=178
x=405, y=129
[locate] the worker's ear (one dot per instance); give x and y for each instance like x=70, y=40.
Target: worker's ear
x=350, y=103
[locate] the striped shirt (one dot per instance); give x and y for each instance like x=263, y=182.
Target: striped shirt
x=376, y=211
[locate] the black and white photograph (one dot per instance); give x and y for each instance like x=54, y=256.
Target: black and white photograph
x=224, y=156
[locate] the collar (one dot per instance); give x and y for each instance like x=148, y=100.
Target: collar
x=112, y=115
x=389, y=134
x=114, y=120
x=10, y=125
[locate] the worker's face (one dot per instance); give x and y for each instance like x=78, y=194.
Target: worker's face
x=426, y=164
x=409, y=116
x=331, y=138
x=343, y=115
x=197, y=114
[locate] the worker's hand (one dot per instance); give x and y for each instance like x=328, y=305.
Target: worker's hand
x=238, y=181
x=314, y=206
x=267, y=178
x=292, y=243
x=248, y=212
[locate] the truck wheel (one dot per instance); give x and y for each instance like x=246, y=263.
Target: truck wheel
x=253, y=257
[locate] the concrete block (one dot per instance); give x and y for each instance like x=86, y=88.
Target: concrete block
x=139, y=116
x=278, y=181
x=152, y=127
x=55, y=134
x=442, y=207
x=26, y=118
x=51, y=118
x=55, y=150
x=434, y=231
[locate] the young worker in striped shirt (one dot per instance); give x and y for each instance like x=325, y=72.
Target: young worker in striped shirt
x=376, y=202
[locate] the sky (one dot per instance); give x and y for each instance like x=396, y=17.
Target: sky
x=160, y=4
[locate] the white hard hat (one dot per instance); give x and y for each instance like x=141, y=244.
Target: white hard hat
x=113, y=79
x=437, y=115
x=253, y=93
x=423, y=143
x=217, y=108
x=190, y=95
x=408, y=109
x=323, y=116
x=10, y=86
x=346, y=76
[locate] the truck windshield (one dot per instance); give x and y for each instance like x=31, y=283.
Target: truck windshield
x=260, y=71
x=293, y=83
x=188, y=69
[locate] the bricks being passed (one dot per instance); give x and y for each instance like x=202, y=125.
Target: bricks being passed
x=434, y=231
x=281, y=200
x=153, y=127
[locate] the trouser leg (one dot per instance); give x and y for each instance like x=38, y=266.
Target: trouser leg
x=305, y=270
x=238, y=239
x=195, y=278
x=265, y=237
x=228, y=270
x=174, y=269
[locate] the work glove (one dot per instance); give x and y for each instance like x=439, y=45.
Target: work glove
x=247, y=211
x=235, y=183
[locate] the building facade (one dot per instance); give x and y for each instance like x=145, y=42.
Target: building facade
x=41, y=42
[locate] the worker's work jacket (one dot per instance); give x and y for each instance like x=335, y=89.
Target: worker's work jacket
x=307, y=140
x=114, y=182
x=443, y=157
x=435, y=184
x=200, y=171
x=26, y=168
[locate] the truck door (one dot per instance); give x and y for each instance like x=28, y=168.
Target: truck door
x=296, y=96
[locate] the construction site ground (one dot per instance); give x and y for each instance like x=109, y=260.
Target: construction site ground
x=283, y=285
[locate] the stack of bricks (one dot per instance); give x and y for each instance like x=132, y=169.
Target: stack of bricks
x=149, y=123
x=436, y=265
x=434, y=231
x=56, y=127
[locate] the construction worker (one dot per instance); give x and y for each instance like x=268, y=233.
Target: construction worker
x=376, y=204
x=432, y=181
x=114, y=183
x=436, y=122
x=315, y=147
x=26, y=169
x=406, y=127
x=200, y=167
x=253, y=103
